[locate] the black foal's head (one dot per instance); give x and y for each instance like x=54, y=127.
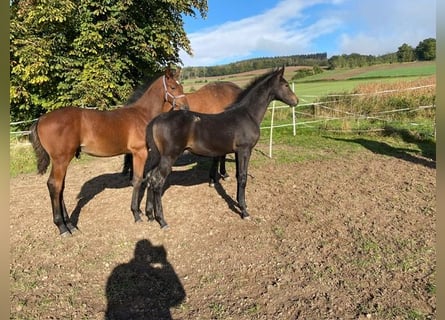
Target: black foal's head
x=283, y=91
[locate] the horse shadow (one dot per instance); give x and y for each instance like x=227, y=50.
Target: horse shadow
x=197, y=174
x=144, y=288
x=96, y=185
x=378, y=147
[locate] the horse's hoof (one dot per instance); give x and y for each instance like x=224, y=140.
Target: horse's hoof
x=225, y=177
x=65, y=234
x=211, y=184
x=74, y=230
x=245, y=216
x=165, y=227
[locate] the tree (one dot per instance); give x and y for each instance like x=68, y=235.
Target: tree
x=90, y=53
x=426, y=49
x=405, y=53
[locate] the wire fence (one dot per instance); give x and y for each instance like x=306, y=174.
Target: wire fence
x=315, y=118
x=301, y=117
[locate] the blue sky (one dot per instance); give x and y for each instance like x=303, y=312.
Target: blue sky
x=243, y=29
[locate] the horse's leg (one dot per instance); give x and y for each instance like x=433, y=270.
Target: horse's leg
x=66, y=217
x=55, y=183
x=157, y=178
x=128, y=165
x=153, y=163
x=222, y=167
x=149, y=207
x=139, y=159
x=212, y=173
x=242, y=162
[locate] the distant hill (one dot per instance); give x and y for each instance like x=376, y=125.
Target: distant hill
x=319, y=59
x=425, y=51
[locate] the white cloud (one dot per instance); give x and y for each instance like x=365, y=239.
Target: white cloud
x=279, y=31
x=302, y=26
x=382, y=26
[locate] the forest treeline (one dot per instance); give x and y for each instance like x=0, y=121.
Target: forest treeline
x=424, y=51
x=320, y=59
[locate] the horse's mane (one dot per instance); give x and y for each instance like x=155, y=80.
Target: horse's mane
x=140, y=90
x=253, y=84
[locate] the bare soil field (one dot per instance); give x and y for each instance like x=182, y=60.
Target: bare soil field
x=340, y=238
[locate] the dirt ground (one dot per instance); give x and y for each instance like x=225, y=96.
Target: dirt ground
x=345, y=238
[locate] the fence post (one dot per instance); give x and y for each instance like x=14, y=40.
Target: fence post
x=271, y=129
x=293, y=113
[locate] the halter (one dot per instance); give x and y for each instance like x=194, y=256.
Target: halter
x=168, y=94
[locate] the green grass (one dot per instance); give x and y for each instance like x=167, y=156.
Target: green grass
x=422, y=70
x=308, y=144
x=22, y=159
x=310, y=91
x=318, y=140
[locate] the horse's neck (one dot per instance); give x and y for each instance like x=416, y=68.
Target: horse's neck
x=151, y=102
x=258, y=102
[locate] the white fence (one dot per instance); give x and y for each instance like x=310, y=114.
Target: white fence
x=346, y=114
x=308, y=123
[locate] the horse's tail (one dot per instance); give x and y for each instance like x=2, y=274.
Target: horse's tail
x=153, y=151
x=42, y=156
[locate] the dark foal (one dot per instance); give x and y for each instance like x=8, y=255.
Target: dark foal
x=237, y=130
x=212, y=98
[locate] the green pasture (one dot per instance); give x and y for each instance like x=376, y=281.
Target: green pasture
x=426, y=69
x=329, y=138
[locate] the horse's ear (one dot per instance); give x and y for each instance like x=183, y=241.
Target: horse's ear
x=177, y=73
x=281, y=71
x=172, y=73
x=169, y=73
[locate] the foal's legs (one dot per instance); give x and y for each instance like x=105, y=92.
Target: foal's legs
x=56, y=185
x=139, y=159
x=242, y=162
x=128, y=165
x=156, y=178
x=214, y=168
x=212, y=173
x=222, y=167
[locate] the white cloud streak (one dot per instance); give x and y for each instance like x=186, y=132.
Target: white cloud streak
x=276, y=32
x=382, y=26
x=292, y=27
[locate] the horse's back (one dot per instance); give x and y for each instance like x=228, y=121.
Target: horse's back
x=213, y=97
x=53, y=127
x=99, y=133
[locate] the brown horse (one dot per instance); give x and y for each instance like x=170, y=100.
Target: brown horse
x=60, y=135
x=212, y=98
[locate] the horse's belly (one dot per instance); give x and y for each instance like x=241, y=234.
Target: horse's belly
x=101, y=151
x=209, y=149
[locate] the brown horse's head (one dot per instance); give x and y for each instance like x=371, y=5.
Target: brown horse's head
x=174, y=93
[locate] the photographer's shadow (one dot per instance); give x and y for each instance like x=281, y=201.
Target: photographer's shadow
x=144, y=288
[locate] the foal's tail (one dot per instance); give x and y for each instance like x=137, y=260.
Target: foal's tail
x=153, y=152
x=42, y=156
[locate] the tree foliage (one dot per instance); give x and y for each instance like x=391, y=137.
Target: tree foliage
x=426, y=49
x=90, y=53
x=405, y=53
x=319, y=59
